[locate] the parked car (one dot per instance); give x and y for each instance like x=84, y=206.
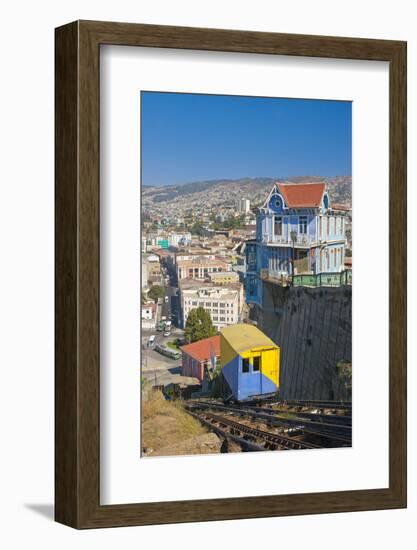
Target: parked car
x=166, y=299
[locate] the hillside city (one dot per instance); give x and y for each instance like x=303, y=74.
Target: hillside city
x=198, y=242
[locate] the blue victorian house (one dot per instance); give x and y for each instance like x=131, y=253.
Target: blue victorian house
x=297, y=232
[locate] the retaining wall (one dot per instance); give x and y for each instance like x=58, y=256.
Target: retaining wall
x=313, y=327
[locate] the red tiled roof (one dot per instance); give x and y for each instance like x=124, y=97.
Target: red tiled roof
x=302, y=195
x=202, y=349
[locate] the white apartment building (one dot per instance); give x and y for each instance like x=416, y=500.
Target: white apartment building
x=243, y=206
x=222, y=303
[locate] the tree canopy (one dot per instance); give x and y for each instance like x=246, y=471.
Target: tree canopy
x=197, y=229
x=231, y=222
x=198, y=325
x=156, y=292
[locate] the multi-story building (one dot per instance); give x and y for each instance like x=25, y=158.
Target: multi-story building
x=297, y=231
x=151, y=269
x=224, y=277
x=162, y=243
x=188, y=253
x=223, y=303
x=154, y=266
x=175, y=239
x=243, y=206
x=144, y=273
x=200, y=267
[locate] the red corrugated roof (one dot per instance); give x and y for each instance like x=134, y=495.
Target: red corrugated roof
x=302, y=195
x=202, y=349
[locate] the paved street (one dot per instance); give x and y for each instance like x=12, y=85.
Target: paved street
x=170, y=309
x=156, y=367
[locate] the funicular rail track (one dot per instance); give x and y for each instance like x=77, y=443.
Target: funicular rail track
x=244, y=444
x=332, y=420
x=236, y=430
x=311, y=403
x=336, y=433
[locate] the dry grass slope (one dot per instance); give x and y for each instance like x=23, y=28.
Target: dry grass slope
x=167, y=427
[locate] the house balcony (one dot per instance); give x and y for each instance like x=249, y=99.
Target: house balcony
x=342, y=278
x=303, y=240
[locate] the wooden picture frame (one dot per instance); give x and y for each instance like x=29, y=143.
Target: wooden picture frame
x=77, y=406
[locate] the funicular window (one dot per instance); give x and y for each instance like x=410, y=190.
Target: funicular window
x=256, y=364
x=245, y=365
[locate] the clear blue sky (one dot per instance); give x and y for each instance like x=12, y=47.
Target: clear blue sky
x=191, y=137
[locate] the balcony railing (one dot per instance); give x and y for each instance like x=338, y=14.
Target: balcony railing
x=342, y=278
x=324, y=279
x=302, y=239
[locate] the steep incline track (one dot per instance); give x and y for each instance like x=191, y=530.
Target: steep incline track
x=267, y=440
x=332, y=430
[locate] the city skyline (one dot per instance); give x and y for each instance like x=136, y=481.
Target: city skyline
x=198, y=137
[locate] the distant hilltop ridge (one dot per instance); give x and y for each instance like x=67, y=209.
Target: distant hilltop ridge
x=340, y=188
